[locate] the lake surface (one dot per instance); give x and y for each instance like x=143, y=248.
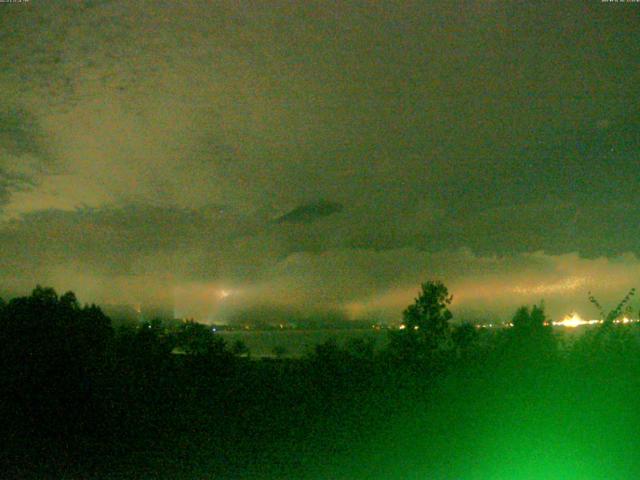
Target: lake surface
x=298, y=342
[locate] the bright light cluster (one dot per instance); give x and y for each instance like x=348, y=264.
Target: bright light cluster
x=570, y=321
x=574, y=320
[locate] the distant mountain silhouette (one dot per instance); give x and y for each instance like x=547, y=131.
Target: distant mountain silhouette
x=310, y=212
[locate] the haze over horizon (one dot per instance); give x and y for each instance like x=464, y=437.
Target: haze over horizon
x=213, y=157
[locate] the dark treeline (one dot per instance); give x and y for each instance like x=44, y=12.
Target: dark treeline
x=81, y=399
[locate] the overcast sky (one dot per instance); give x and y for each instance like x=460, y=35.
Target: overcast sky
x=211, y=156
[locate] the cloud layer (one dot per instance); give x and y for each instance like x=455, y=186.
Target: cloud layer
x=148, y=149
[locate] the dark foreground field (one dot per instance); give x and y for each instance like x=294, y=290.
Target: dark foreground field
x=82, y=401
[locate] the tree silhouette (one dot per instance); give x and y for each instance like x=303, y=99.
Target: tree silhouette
x=198, y=339
x=531, y=338
x=361, y=348
x=464, y=337
x=52, y=353
x=526, y=323
x=609, y=343
x=425, y=323
x=429, y=315
x=617, y=312
x=240, y=349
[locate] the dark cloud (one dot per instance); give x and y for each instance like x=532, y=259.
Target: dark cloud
x=147, y=147
x=11, y=182
x=20, y=133
x=23, y=152
x=310, y=212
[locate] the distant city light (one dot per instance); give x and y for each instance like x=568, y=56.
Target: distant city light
x=570, y=321
x=574, y=320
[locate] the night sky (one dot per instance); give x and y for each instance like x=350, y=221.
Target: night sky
x=211, y=157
